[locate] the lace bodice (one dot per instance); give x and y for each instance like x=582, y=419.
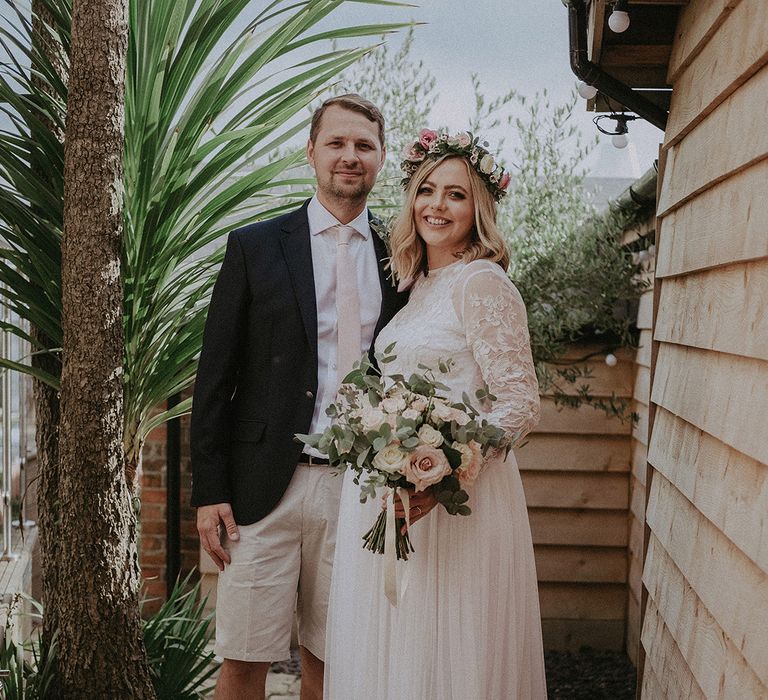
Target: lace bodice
x=474, y=315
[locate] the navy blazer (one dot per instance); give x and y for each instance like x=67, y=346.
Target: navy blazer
x=257, y=376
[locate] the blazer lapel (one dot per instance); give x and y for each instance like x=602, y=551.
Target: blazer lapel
x=297, y=251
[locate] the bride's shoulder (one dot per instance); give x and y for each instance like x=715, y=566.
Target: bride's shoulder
x=483, y=272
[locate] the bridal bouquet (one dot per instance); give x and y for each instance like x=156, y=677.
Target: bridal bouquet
x=404, y=433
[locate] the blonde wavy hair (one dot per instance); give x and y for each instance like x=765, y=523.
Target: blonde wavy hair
x=409, y=255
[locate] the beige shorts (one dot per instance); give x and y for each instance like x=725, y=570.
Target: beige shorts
x=288, y=552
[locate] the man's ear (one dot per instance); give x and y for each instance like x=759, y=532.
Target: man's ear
x=383, y=157
x=311, y=153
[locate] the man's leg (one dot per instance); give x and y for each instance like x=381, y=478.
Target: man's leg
x=242, y=680
x=311, y=675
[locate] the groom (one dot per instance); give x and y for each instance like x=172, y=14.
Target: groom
x=298, y=298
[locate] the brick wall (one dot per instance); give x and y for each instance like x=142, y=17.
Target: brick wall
x=153, y=520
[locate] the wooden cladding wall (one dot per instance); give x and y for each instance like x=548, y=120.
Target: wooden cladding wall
x=705, y=628
x=576, y=471
x=639, y=448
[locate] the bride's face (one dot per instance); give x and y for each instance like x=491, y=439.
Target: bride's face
x=444, y=212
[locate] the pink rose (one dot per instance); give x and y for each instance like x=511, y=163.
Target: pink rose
x=425, y=467
x=471, y=461
x=426, y=137
x=413, y=153
x=504, y=182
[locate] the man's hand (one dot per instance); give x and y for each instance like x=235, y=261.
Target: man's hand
x=208, y=519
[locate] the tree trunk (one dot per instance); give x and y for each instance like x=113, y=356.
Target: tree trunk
x=101, y=654
x=47, y=399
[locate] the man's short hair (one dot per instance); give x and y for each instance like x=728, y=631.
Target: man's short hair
x=354, y=103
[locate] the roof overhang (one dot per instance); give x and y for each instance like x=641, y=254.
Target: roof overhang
x=638, y=57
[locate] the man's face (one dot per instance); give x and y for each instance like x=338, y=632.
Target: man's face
x=346, y=156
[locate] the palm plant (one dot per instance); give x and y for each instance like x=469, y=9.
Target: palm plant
x=203, y=113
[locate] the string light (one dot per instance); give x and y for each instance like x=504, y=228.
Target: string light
x=619, y=19
x=586, y=91
x=619, y=136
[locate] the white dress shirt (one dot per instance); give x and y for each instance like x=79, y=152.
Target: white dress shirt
x=323, y=245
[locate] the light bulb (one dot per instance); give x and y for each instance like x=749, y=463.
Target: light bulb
x=611, y=360
x=620, y=140
x=586, y=91
x=618, y=21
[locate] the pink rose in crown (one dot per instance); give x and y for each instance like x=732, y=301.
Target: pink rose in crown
x=464, y=139
x=504, y=182
x=427, y=137
x=412, y=153
x=426, y=466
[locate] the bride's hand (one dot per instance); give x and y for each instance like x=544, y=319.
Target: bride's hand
x=420, y=504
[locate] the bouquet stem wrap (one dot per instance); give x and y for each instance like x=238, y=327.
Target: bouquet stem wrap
x=390, y=553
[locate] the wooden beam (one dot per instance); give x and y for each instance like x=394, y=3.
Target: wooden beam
x=635, y=55
x=595, y=26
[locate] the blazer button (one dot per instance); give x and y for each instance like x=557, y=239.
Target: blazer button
x=310, y=395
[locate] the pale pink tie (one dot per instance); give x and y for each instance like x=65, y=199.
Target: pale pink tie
x=348, y=347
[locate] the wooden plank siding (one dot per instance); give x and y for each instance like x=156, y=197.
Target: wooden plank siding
x=709, y=78
x=698, y=23
x=575, y=470
x=638, y=459
x=705, y=574
x=726, y=224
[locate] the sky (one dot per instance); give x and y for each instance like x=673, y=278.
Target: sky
x=510, y=44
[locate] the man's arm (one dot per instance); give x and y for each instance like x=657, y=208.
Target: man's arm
x=210, y=429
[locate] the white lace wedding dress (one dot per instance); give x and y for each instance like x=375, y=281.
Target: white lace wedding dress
x=467, y=626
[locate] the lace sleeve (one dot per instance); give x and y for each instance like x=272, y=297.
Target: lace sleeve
x=495, y=322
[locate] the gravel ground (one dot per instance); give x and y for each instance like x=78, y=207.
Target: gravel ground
x=585, y=675
x=590, y=675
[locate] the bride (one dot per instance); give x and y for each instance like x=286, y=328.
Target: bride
x=467, y=626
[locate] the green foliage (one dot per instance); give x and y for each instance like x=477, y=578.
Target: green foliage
x=579, y=283
x=175, y=638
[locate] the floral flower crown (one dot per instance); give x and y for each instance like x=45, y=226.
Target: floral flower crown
x=432, y=145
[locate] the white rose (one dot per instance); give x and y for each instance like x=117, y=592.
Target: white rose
x=411, y=414
x=372, y=418
x=464, y=139
x=430, y=436
x=419, y=404
x=393, y=404
x=390, y=459
x=487, y=164
x=442, y=411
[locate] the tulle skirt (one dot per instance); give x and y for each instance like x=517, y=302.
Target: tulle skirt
x=467, y=626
